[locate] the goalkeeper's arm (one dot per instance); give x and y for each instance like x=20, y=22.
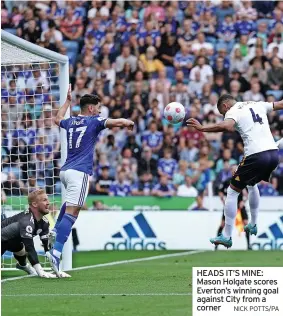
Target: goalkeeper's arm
x=63, y=109
x=33, y=258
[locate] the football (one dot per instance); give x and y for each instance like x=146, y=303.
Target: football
x=174, y=112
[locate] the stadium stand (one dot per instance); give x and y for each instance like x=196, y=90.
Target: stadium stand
x=138, y=56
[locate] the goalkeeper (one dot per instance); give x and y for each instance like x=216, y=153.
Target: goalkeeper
x=17, y=234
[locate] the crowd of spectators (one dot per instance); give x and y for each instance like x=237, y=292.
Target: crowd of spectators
x=138, y=56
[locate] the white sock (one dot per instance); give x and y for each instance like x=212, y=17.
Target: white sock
x=230, y=211
x=56, y=253
x=254, y=203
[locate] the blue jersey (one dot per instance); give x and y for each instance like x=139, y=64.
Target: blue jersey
x=120, y=189
x=227, y=29
x=245, y=27
x=152, y=139
x=164, y=188
x=167, y=166
x=82, y=132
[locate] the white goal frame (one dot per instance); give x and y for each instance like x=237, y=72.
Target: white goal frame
x=63, y=62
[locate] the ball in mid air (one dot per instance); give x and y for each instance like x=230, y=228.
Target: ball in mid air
x=174, y=112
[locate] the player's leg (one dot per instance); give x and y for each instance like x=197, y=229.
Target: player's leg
x=245, y=219
x=220, y=228
x=230, y=211
x=63, y=207
x=60, y=216
x=267, y=163
x=19, y=252
x=22, y=264
x=238, y=183
x=254, y=197
x=53, y=232
x=77, y=184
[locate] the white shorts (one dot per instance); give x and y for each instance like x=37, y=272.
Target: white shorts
x=76, y=184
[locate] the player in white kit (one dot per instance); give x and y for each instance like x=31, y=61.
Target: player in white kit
x=260, y=156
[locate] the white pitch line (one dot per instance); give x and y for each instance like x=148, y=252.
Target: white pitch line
x=97, y=294
x=114, y=263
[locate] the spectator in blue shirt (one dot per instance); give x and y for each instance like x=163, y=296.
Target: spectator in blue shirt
x=277, y=18
x=14, y=91
x=93, y=30
x=144, y=185
x=266, y=189
x=121, y=187
x=183, y=59
x=226, y=8
x=55, y=13
x=170, y=19
x=149, y=31
x=244, y=26
x=188, y=31
x=119, y=22
x=153, y=138
x=167, y=165
x=226, y=33
x=207, y=6
x=163, y=188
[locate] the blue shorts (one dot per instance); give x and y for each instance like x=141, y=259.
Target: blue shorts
x=255, y=168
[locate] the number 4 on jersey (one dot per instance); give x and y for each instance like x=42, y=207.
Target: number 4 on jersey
x=256, y=117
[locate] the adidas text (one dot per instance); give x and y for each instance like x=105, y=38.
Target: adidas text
x=274, y=244
x=128, y=244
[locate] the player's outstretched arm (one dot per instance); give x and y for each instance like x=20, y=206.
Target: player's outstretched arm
x=277, y=106
x=225, y=126
x=33, y=259
x=63, y=109
x=120, y=123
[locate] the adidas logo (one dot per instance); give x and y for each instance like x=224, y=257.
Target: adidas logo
x=135, y=235
x=272, y=239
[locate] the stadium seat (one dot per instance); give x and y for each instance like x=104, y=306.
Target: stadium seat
x=71, y=46
x=56, y=94
x=170, y=73
x=72, y=57
x=276, y=93
x=267, y=21
x=12, y=31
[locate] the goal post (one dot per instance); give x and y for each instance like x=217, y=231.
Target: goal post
x=20, y=56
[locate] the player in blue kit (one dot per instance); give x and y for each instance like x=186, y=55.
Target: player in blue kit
x=82, y=132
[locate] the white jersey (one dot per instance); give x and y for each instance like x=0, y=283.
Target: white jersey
x=252, y=124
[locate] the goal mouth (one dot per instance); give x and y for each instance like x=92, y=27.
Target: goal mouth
x=8, y=262
x=34, y=82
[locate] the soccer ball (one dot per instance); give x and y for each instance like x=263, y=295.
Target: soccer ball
x=174, y=112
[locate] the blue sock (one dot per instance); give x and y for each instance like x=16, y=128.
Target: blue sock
x=61, y=214
x=63, y=233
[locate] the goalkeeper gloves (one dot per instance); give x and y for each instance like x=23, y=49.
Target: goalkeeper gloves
x=43, y=274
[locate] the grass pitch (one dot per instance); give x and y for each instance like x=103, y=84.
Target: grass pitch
x=151, y=288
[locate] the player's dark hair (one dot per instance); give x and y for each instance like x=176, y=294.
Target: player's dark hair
x=89, y=99
x=224, y=98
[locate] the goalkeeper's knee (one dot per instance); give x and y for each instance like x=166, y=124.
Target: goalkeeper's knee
x=21, y=253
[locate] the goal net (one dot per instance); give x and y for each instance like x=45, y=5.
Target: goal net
x=31, y=143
